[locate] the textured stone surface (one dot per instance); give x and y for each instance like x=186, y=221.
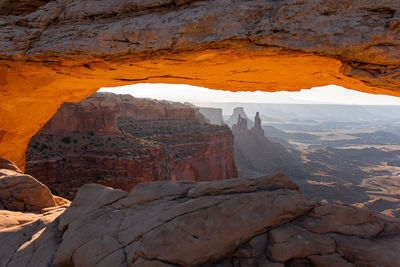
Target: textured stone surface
x=342, y=219
x=237, y=222
x=330, y=260
x=65, y=50
x=23, y=192
x=289, y=242
x=119, y=141
x=28, y=239
x=364, y=252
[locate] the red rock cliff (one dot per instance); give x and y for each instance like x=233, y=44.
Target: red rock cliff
x=119, y=141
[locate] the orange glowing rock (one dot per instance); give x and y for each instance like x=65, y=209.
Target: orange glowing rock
x=66, y=50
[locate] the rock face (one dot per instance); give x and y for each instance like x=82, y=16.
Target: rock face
x=235, y=222
x=119, y=141
x=214, y=115
x=256, y=155
x=234, y=118
x=27, y=208
x=47, y=46
x=23, y=192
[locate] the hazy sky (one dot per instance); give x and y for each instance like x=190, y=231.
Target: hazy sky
x=330, y=94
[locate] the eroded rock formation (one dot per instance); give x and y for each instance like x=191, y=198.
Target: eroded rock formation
x=23, y=192
x=236, y=222
x=256, y=155
x=57, y=51
x=119, y=141
x=234, y=118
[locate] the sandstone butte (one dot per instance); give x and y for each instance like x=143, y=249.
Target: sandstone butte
x=57, y=51
x=235, y=222
x=120, y=140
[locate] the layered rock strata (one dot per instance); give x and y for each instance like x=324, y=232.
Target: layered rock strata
x=47, y=46
x=236, y=222
x=119, y=141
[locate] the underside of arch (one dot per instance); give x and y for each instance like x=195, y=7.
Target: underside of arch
x=57, y=51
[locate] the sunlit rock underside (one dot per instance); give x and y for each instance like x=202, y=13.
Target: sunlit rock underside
x=57, y=51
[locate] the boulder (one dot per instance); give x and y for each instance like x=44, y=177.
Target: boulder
x=23, y=192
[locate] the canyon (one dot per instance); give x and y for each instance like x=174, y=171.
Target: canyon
x=349, y=157
x=119, y=141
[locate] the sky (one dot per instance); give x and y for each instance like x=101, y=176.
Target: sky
x=330, y=94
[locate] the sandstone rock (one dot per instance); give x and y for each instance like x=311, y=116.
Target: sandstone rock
x=14, y=218
x=28, y=237
x=213, y=115
x=331, y=260
x=291, y=242
x=347, y=220
x=8, y=165
x=239, y=223
x=64, y=51
x=147, y=226
x=241, y=185
x=364, y=252
x=23, y=192
x=120, y=141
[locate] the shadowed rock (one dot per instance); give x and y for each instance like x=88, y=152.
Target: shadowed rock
x=237, y=222
x=23, y=192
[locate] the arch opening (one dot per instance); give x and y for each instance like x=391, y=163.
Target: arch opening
x=344, y=147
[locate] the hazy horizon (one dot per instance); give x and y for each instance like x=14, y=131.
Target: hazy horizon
x=330, y=94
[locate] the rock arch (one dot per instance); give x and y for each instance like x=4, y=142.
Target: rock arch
x=57, y=51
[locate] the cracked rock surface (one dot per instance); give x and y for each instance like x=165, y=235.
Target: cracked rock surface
x=236, y=222
x=65, y=50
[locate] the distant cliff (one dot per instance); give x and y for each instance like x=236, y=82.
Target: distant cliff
x=213, y=115
x=238, y=111
x=256, y=155
x=119, y=141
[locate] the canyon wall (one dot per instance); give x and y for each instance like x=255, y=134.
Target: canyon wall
x=119, y=141
x=214, y=115
x=61, y=51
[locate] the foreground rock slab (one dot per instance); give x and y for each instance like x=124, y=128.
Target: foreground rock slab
x=237, y=222
x=23, y=192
